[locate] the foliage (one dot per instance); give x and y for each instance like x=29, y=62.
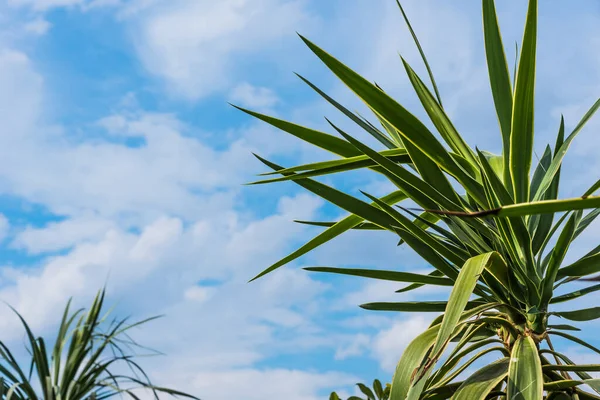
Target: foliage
x=82, y=362
x=491, y=229
x=377, y=393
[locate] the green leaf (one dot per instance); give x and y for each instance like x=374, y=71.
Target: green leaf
x=558, y=254
x=454, y=255
x=421, y=52
x=470, y=334
x=438, y=117
x=413, y=306
x=378, y=389
x=472, y=360
x=521, y=136
x=407, y=124
x=525, y=380
x=586, y=221
x=431, y=173
x=427, y=220
x=513, y=230
x=582, y=267
x=416, y=351
x=457, y=302
x=356, y=119
x=368, y=392
x=319, y=139
x=418, y=190
x=592, y=189
x=482, y=382
x=499, y=80
x=334, y=166
x=576, y=340
x=545, y=221
x=554, y=376
x=564, y=327
x=538, y=207
x=557, y=160
x=362, y=226
x=574, y=295
x=344, y=225
x=540, y=171
x=418, y=285
x=411, y=359
x=395, y=276
x=569, y=383
x=586, y=314
x=580, y=367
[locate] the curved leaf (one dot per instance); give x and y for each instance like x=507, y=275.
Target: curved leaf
x=586, y=314
x=482, y=382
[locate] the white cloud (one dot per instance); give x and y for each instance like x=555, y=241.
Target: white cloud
x=257, y=98
x=156, y=219
x=356, y=347
x=268, y=384
x=4, y=227
x=198, y=293
x=193, y=45
x=61, y=235
x=38, y=26
x=389, y=344
x=162, y=254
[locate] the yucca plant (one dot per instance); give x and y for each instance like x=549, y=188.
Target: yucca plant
x=491, y=228
x=377, y=393
x=92, y=358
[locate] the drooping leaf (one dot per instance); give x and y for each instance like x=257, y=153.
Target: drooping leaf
x=586, y=314
x=577, y=340
x=563, y=327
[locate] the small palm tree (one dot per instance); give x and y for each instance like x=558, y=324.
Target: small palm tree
x=82, y=364
x=484, y=222
x=378, y=392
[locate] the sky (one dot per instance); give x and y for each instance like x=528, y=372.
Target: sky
x=121, y=162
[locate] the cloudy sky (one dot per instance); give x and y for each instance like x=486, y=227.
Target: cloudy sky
x=121, y=162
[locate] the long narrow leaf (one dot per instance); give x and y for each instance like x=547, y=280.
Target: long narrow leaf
x=521, y=135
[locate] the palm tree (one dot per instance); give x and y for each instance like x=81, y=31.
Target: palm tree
x=484, y=222
x=87, y=361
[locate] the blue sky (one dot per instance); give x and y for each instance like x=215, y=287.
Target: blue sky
x=120, y=158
